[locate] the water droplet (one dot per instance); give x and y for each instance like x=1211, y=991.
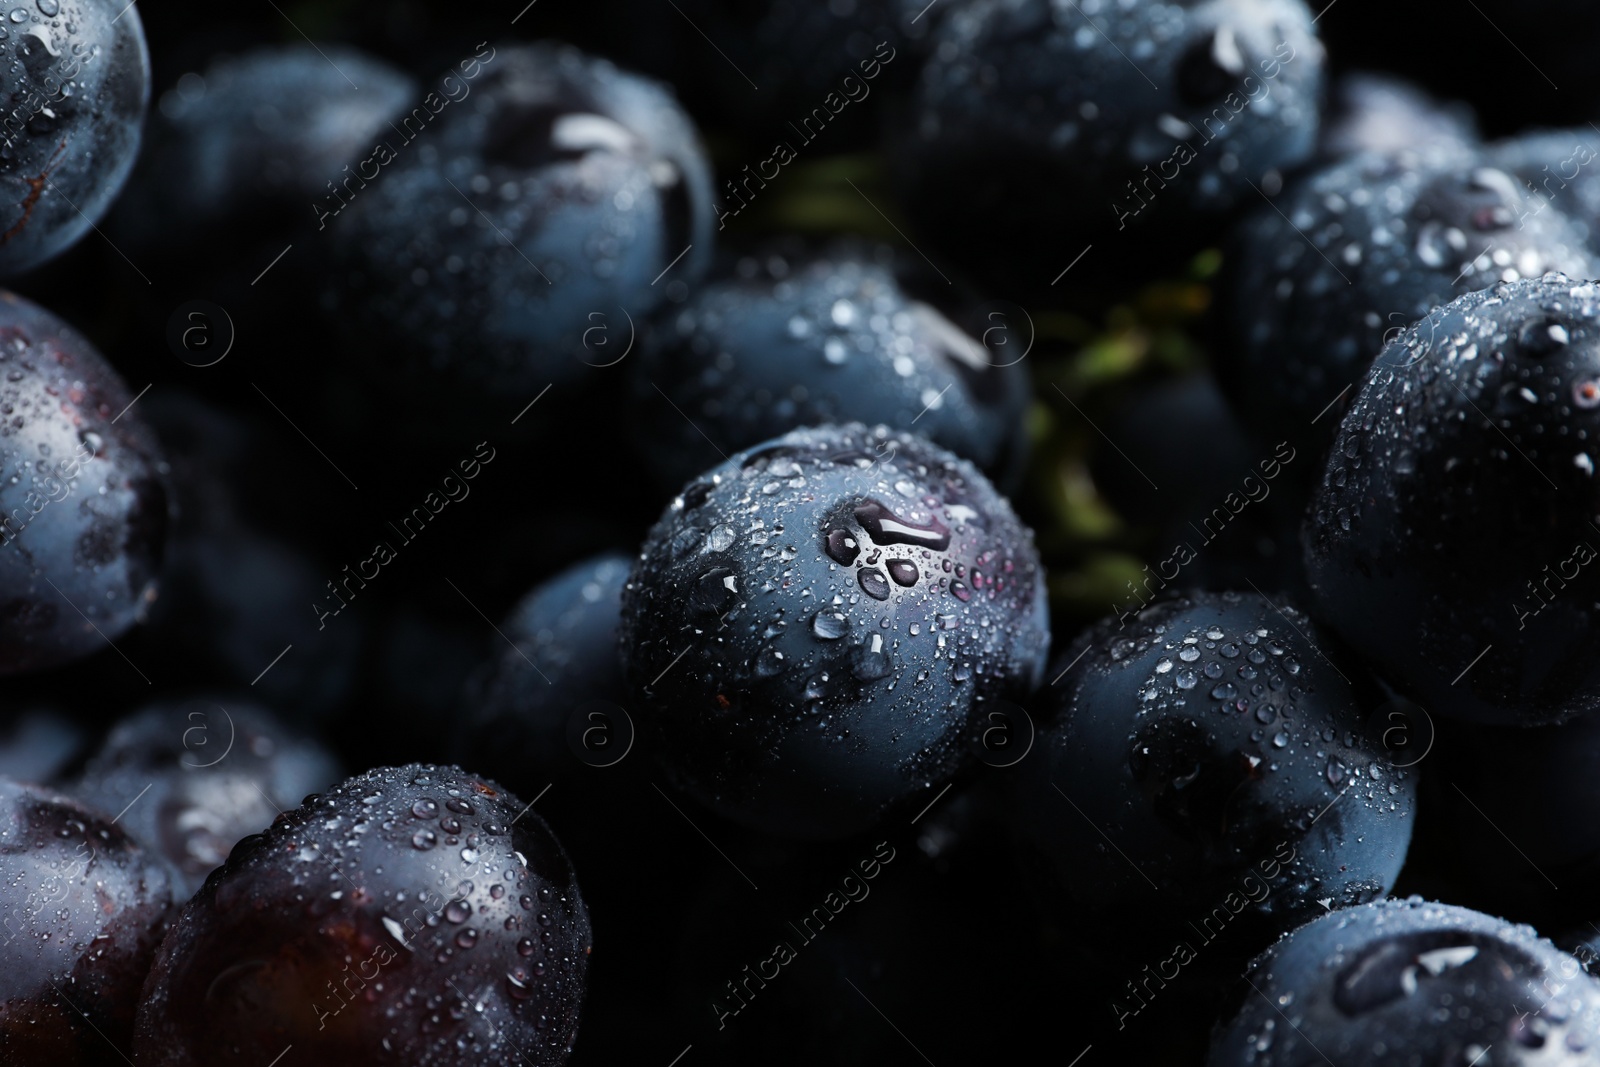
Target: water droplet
x=425, y=808
x=830, y=625
x=886, y=528
x=424, y=839
x=870, y=662
x=841, y=547
x=769, y=662
x=1542, y=337
x=1336, y=771
x=903, y=572
x=873, y=583
x=1433, y=248
x=716, y=591
x=457, y=911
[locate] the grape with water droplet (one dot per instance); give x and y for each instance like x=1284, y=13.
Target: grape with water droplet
x=1262, y=768
x=1451, y=541
x=82, y=908
x=1411, y=982
x=794, y=336
x=83, y=507
x=835, y=660
x=74, y=85
x=370, y=927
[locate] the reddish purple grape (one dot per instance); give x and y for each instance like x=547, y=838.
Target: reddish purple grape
x=410, y=915
x=83, y=511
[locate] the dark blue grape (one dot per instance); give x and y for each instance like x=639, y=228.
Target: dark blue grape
x=555, y=699
x=788, y=675
x=1355, y=253
x=793, y=339
x=1211, y=741
x=1385, y=114
x=1452, y=528
x=258, y=138
x=1051, y=116
x=555, y=188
